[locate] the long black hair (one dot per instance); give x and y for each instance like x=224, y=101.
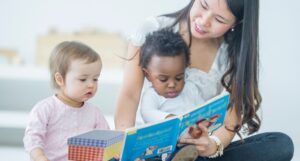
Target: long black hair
x=241, y=78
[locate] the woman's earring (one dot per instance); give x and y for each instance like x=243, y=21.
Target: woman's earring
x=232, y=29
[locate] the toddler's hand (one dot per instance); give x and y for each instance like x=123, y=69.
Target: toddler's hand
x=195, y=132
x=41, y=158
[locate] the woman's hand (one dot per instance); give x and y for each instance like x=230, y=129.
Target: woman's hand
x=204, y=144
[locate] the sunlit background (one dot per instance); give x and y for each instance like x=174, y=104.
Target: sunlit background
x=30, y=29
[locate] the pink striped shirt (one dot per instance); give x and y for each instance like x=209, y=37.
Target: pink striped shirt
x=52, y=122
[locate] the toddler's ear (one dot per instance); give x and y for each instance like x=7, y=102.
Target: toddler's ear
x=146, y=73
x=59, y=79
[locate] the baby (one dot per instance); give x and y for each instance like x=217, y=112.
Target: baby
x=164, y=58
x=75, y=69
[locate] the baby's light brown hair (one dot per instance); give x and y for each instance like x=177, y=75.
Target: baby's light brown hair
x=64, y=53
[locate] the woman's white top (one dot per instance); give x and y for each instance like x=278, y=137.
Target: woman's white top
x=208, y=83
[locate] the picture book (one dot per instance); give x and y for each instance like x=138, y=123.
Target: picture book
x=158, y=140
x=155, y=141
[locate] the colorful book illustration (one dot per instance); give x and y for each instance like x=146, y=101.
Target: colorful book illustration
x=159, y=140
x=96, y=145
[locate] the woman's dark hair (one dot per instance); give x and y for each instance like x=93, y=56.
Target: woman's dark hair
x=164, y=43
x=241, y=78
x=183, y=15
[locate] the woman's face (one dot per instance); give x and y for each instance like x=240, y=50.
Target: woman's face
x=210, y=19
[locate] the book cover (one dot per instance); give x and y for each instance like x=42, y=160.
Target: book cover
x=158, y=140
x=151, y=140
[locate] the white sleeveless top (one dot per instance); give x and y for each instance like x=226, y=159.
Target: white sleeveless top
x=208, y=83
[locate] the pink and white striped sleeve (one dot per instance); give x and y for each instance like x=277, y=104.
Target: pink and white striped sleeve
x=36, y=127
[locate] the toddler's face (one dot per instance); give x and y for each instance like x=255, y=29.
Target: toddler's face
x=81, y=80
x=166, y=75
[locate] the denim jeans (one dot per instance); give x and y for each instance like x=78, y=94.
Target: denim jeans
x=271, y=146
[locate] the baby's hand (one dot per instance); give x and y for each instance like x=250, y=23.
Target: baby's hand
x=195, y=132
x=37, y=154
x=41, y=158
x=204, y=144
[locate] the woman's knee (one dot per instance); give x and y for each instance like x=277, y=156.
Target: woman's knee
x=285, y=145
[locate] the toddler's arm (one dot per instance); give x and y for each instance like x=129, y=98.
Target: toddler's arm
x=150, y=107
x=36, y=130
x=101, y=122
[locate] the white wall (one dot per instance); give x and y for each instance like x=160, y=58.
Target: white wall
x=280, y=74
x=23, y=21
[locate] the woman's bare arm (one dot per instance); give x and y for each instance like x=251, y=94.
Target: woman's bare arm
x=225, y=136
x=231, y=120
x=129, y=95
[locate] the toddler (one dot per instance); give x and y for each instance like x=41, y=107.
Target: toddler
x=164, y=59
x=75, y=69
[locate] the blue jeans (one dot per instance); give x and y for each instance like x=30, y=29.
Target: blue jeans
x=271, y=146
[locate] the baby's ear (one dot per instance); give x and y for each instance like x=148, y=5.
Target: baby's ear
x=59, y=79
x=146, y=73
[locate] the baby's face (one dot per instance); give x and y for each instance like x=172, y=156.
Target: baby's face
x=166, y=75
x=81, y=80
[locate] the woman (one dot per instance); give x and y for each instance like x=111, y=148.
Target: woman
x=223, y=40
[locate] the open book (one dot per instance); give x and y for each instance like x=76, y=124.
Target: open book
x=156, y=140
x=160, y=139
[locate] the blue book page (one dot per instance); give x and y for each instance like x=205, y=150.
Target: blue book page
x=211, y=114
x=151, y=141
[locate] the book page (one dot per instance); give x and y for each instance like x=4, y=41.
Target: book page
x=210, y=114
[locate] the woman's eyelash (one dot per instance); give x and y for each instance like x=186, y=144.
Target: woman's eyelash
x=202, y=5
x=219, y=20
